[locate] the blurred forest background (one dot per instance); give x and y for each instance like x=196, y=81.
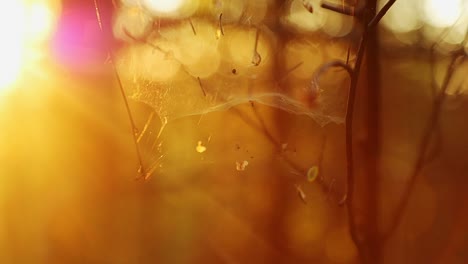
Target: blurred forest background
x=261, y=179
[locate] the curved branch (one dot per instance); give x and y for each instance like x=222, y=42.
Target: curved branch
x=349, y=114
x=348, y=197
x=326, y=66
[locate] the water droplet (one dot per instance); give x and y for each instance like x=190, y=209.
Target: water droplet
x=256, y=59
x=312, y=173
x=200, y=148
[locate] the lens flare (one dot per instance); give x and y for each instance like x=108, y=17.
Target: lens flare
x=25, y=26
x=12, y=26
x=40, y=21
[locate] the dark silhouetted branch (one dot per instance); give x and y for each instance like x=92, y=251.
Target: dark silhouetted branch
x=381, y=13
x=368, y=30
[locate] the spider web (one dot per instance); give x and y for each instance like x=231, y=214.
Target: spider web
x=200, y=67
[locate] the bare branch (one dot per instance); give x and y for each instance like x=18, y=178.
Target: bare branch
x=349, y=198
x=124, y=96
x=381, y=13
x=421, y=159
x=344, y=10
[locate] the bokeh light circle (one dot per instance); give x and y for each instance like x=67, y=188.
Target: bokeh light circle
x=442, y=13
x=164, y=6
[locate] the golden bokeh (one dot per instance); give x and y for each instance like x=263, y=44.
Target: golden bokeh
x=300, y=18
x=441, y=22
x=442, y=13
x=191, y=47
x=401, y=17
x=337, y=25
x=163, y=6
x=131, y=22
x=216, y=92
x=248, y=50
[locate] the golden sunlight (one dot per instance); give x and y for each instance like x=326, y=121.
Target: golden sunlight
x=164, y=6
x=12, y=26
x=24, y=24
x=442, y=13
x=40, y=21
x=402, y=17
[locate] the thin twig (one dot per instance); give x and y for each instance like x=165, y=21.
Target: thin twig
x=432, y=61
x=349, y=117
x=201, y=86
x=432, y=127
x=256, y=58
x=349, y=194
x=381, y=13
x=143, y=40
x=221, y=29
x=437, y=132
x=372, y=146
x=261, y=127
x=349, y=198
x=342, y=9
x=268, y=135
x=428, y=133
x=348, y=53
x=289, y=71
x=193, y=27
x=122, y=91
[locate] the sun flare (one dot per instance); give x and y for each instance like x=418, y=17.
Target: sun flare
x=12, y=25
x=442, y=13
x=24, y=25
